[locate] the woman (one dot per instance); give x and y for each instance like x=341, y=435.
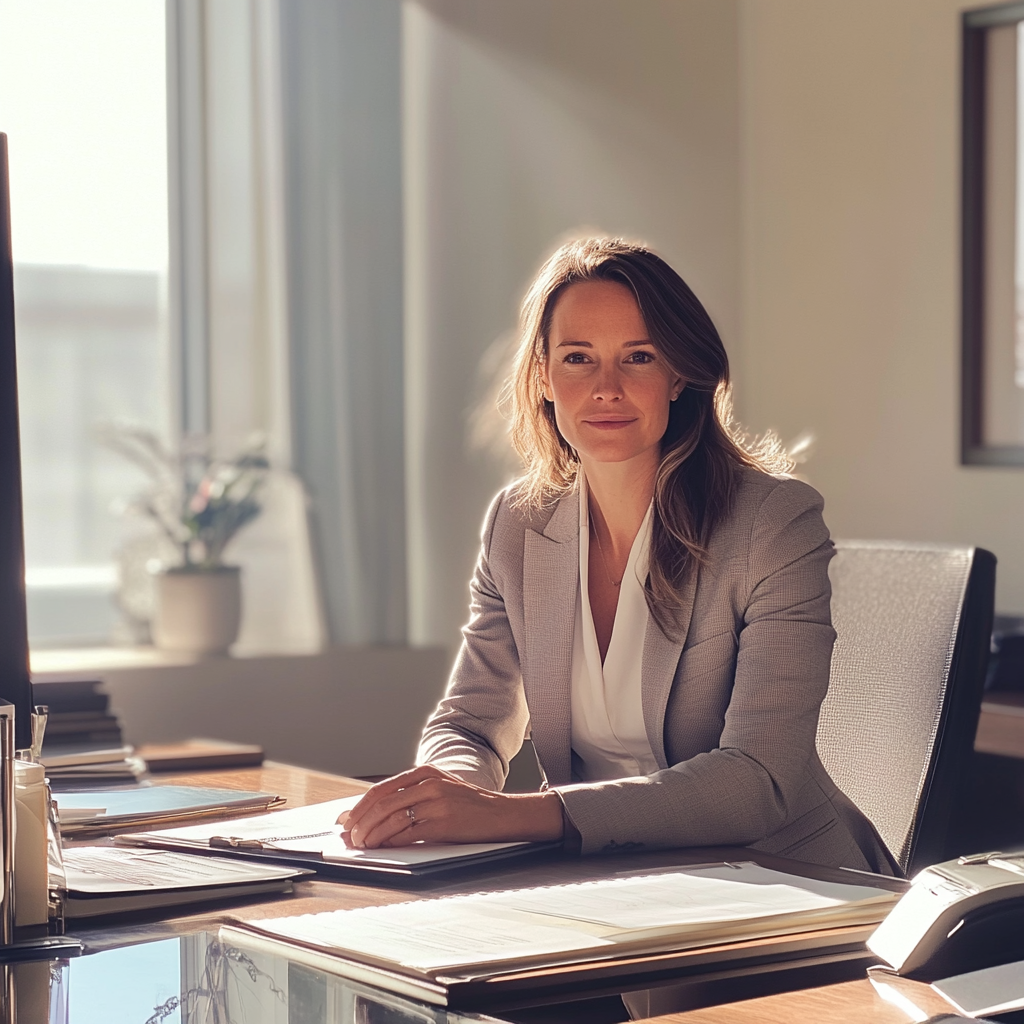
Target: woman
x=651, y=604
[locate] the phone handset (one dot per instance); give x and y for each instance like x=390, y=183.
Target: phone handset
x=957, y=916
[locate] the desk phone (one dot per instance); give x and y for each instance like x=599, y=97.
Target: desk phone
x=957, y=916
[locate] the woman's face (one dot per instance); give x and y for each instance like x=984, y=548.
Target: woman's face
x=610, y=386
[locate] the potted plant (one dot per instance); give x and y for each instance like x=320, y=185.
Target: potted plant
x=199, y=503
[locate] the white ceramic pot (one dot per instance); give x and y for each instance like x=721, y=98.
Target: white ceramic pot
x=198, y=611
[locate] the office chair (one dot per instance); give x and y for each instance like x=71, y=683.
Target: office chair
x=913, y=625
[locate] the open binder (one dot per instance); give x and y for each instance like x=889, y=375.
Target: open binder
x=459, y=950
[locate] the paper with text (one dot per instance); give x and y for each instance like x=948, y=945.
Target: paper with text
x=581, y=918
x=110, y=869
x=432, y=934
x=311, y=830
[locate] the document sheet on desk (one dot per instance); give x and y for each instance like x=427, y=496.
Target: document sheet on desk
x=685, y=907
x=106, y=870
x=311, y=830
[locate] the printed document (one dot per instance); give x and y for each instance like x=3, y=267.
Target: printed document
x=112, y=880
x=107, y=869
x=312, y=830
x=678, y=908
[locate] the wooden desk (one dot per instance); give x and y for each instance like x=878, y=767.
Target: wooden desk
x=714, y=974
x=853, y=1002
x=1001, y=725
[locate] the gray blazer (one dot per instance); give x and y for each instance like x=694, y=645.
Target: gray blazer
x=731, y=706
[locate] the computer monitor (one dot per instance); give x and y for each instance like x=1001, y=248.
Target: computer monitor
x=15, y=681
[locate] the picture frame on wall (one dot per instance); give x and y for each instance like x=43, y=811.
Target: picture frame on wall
x=992, y=310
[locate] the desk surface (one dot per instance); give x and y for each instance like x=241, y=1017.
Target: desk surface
x=714, y=972
x=1001, y=725
x=852, y=1002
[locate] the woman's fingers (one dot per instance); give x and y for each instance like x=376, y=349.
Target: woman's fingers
x=429, y=804
x=442, y=810
x=388, y=787
x=397, y=829
x=393, y=806
x=416, y=811
x=366, y=830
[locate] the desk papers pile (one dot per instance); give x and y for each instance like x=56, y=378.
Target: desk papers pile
x=312, y=836
x=675, y=909
x=103, y=812
x=75, y=767
x=107, y=880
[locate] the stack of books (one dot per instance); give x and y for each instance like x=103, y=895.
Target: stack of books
x=79, y=713
x=83, y=745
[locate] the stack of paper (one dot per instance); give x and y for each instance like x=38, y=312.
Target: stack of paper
x=107, y=880
x=84, y=815
x=72, y=767
x=568, y=923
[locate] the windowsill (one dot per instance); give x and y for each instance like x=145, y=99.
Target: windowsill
x=351, y=710
x=78, y=660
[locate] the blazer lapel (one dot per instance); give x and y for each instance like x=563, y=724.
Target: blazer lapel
x=550, y=582
x=660, y=661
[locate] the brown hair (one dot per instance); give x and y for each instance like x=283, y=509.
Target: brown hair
x=701, y=448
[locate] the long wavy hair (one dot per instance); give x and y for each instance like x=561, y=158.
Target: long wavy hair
x=701, y=451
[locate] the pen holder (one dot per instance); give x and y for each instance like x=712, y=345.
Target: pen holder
x=30, y=842
x=15, y=947
x=56, y=875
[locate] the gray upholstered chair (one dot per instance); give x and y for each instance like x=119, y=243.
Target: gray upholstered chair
x=913, y=624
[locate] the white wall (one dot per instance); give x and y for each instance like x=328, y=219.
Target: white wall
x=796, y=160
x=850, y=277
x=349, y=710
x=526, y=120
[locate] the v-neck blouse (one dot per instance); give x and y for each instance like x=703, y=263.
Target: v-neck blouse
x=608, y=732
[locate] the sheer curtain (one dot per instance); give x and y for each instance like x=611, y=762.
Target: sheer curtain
x=229, y=284
x=341, y=116
x=289, y=280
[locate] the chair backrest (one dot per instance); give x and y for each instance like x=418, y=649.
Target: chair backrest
x=913, y=625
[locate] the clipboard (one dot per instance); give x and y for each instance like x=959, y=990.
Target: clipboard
x=310, y=837
x=89, y=814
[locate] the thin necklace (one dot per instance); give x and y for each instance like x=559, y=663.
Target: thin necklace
x=604, y=561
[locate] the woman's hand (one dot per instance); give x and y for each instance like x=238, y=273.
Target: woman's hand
x=429, y=804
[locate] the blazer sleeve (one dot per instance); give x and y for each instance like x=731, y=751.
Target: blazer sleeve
x=745, y=789
x=482, y=719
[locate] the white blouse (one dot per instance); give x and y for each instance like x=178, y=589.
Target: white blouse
x=608, y=732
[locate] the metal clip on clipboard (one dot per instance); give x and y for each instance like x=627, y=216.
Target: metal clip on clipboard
x=266, y=843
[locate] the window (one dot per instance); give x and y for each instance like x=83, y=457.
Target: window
x=83, y=102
